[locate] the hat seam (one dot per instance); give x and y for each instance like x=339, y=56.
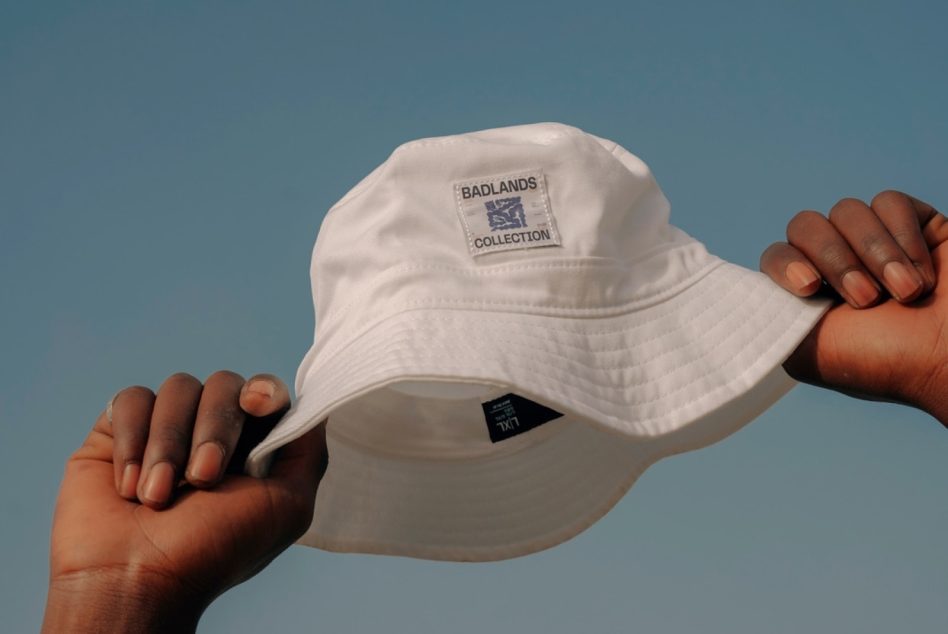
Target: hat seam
x=329, y=353
x=562, y=131
x=493, y=553
x=603, y=447
x=502, y=319
x=655, y=337
x=442, y=141
x=692, y=361
x=337, y=378
x=538, y=435
x=653, y=453
x=469, y=233
x=582, y=407
x=499, y=269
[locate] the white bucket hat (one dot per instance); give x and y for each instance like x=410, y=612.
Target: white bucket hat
x=508, y=333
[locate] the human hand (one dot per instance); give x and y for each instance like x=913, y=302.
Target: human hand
x=150, y=553
x=896, y=350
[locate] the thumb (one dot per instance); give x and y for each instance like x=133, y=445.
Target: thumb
x=933, y=223
x=265, y=398
x=264, y=394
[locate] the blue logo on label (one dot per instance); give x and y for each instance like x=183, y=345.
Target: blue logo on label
x=505, y=213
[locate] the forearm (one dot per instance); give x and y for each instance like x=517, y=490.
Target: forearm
x=109, y=605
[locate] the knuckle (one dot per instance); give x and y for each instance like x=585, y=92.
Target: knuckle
x=890, y=197
x=806, y=216
x=226, y=415
x=906, y=234
x=770, y=255
x=835, y=257
x=875, y=246
x=130, y=450
x=845, y=208
x=910, y=241
x=802, y=223
x=137, y=392
x=182, y=379
x=172, y=438
x=225, y=376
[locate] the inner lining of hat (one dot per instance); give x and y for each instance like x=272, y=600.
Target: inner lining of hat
x=430, y=420
x=440, y=389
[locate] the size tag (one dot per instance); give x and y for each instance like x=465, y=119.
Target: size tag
x=502, y=213
x=511, y=414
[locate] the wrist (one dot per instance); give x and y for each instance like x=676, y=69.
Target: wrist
x=938, y=407
x=110, y=602
x=930, y=394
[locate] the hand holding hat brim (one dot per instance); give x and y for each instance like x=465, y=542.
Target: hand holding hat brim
x=169, y=560
x=893, y=351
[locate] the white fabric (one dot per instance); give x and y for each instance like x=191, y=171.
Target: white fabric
x=646, y=343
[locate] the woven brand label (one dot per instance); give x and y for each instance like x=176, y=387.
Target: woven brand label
x=511, y=414
x=502, y=213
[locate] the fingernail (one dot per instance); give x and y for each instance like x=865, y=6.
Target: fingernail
x=264, y=388
x=159, y=483
x=207, y=462
x=801, y=276
x=926, y=275
x=900, y=280
x=130, y=480
x=860, y=290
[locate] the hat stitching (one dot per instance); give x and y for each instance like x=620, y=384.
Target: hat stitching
x=584, y=406
x=527, y=440
x=676, y=327
x=444, y=141
x=475, y=553
x=369, y=181
x=323, y=356
x=573, y=481
x=468, y=233
x=635, y=467
x=328, y=353
x=655, y=295
x=569, y=381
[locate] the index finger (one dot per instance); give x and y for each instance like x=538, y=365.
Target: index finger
x=789, y=268
x=117, y=437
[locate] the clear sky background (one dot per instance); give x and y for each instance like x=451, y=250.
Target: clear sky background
x=164, y=168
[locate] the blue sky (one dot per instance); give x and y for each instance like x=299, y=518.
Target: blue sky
x=163, y=173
